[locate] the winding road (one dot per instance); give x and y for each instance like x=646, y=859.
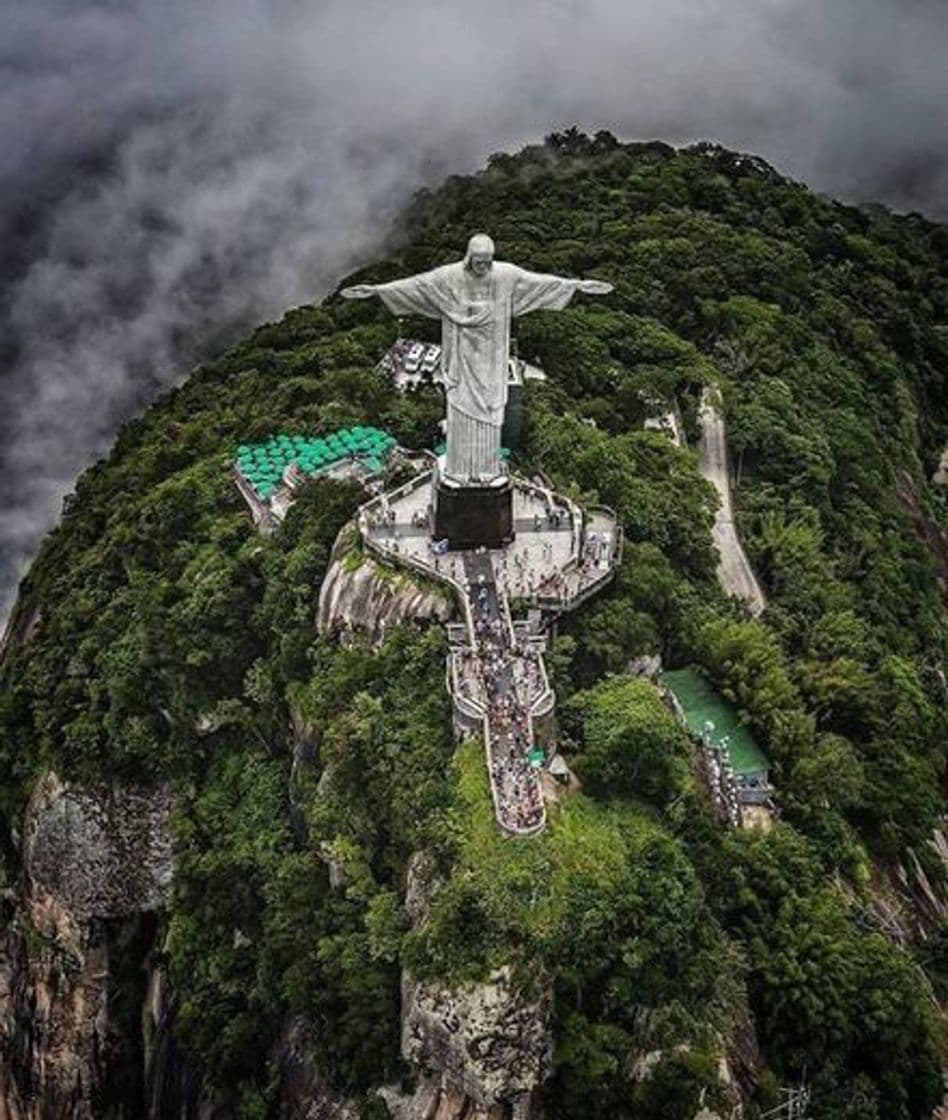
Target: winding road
x=734, y=571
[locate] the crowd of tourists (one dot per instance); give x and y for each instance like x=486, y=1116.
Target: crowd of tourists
x=722, y=780
x=528, y=676
x=517, y=793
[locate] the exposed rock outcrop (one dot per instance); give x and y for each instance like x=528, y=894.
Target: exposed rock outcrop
x=102, y=852
x=479, y=1050
x=648, y=666
x=437, y=1099
x=75, y=951
x=21, y=625
x=172, y=1088
x=306, y=1094
x=360, y=595
x=487, y=1039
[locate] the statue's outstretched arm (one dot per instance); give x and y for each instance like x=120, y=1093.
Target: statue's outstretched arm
x=594, y=287
x=539, y=291
x=413, y=295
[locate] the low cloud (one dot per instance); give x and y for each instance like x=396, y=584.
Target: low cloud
x=172, y=173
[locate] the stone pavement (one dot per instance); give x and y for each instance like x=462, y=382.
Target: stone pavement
x=557, y=559
x=508, y=728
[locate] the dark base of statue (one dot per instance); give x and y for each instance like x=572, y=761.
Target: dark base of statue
x=473, y=516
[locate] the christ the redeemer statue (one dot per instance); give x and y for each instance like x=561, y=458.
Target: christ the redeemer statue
x=474, y=299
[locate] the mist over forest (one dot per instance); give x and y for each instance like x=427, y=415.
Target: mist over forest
x=171, y=173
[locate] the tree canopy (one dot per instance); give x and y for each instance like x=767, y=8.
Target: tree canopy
x=159, y=638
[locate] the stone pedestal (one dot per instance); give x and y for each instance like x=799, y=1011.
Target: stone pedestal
x=470, y=516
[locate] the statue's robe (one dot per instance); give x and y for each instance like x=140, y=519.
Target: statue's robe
x=475, y=340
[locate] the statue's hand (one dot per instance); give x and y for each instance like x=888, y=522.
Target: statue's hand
x=358, y=291
x=595, y=287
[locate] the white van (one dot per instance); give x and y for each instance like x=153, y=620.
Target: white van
x=431, y=359
x=413, y=359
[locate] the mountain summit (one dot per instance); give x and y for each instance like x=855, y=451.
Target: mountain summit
x=250, y=848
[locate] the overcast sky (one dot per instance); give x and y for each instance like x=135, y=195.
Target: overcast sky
x=172, y=171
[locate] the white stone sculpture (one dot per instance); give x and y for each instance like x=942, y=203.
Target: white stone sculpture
x=475, y=299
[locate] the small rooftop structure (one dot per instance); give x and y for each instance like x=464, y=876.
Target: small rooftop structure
x=701, y=706
x=735, y=769
x=559, y=769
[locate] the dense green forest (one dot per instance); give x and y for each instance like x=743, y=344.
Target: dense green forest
x=176, y=644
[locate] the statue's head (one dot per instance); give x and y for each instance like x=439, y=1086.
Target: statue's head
x=480, y=254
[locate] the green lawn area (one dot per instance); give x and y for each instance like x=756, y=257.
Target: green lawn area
x=550, y=898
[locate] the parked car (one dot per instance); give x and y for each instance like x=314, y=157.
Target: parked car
x=430, y=361
x=413, y=359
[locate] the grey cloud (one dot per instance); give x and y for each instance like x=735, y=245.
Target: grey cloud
x=173, y=172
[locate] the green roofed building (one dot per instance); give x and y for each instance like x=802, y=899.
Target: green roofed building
x=701, y=705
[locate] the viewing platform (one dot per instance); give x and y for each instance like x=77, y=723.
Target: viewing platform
x=559, y=557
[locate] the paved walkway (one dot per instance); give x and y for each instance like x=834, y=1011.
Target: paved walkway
x=508, y=728
x=558, y=558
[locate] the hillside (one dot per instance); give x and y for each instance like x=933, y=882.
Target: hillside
x=165, y=686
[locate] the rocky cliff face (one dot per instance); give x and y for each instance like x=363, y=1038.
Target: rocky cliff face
x=86, y=1006
x=479, y=1051
x=306, y=1094
x=100, y=853
x=487, y=1045
x=360, y=595
x=75, y=951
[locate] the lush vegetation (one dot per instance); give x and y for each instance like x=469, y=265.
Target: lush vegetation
x=606, y=904
x=173, y=644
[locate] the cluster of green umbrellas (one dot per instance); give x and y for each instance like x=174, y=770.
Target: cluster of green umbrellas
x=263, y=464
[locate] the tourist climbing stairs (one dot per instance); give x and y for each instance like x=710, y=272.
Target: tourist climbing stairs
x=508, y=726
